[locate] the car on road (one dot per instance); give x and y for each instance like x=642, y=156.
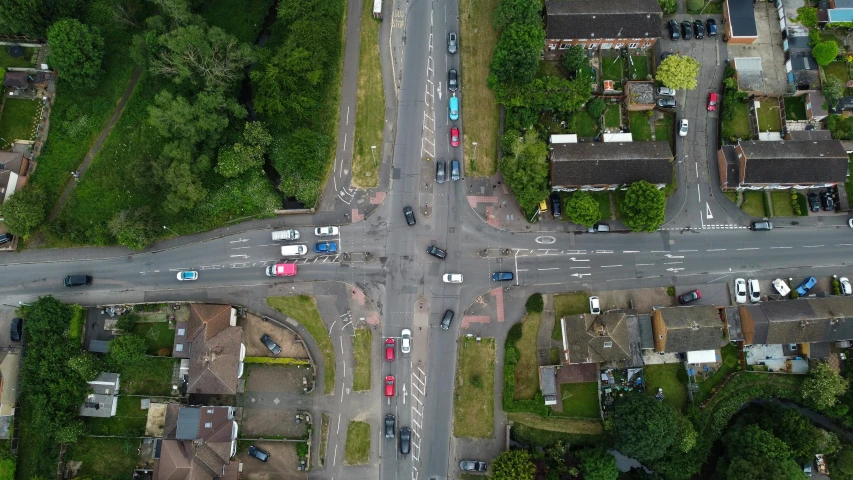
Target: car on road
x=390, y=348
x=389, y=386
x=406, y=341
x=781, y=287
x=844, y=285
x=850, y=222
x=814, y=202
x=256, y=452
x=594, y=306
x=452, y=80
x=452, y=278
x=807, y=285
x=754, y=290
x=454, y=137
x=473, y=466
x=713, y=98
x=682, y=128
x=410, y=216
x=187, y=275
x=270, y=343
x=698, y=29
x=325, y=247
x=826, y=200
x=436, y=252
x=453, y=108
x=666, y=103
x=690, y=296
x=740, y=290
x=598, y=228
x=452, y=42
x=77, y=280
x=673, y=30
x=454, y=170
x=440, y=171
x=711, y=25
x=686, y=30
x=666, y=92
x=445, y=321
x=326, y=231
x=765, y=225
x=502, y=276
x=16, y=332
x=405, y=440
x=285, y=235
x=390, y=425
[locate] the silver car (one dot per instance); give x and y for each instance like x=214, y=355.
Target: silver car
x=451, y=42
x=406, y=341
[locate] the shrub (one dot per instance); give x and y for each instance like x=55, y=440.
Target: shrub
x=164, y=352
x=127, y=321
x=795, y=205
x=535, y=303
x=595, y=107
x=670, y=291
x=836, y=287
x=302, y=449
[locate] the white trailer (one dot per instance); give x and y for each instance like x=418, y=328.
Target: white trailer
x=377, y=9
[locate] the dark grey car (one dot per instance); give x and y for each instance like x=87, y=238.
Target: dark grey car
x=270, y=343
x=454, y=170
x=410, y=216
x=17, y=330
x=405, y=440
x=390, y=426
x=452, y=80
x=445, y=322
x=440, y=171
x=666, y=103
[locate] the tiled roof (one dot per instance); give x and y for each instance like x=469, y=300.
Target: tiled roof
x=732, y=166
x=205, y=451
x=214, y=364
x=625, y=19
x=810, y=135
x=820, y=161
x=742, y=15
x=597, y=338
x=617, y=163
x=687, y=329
x=212, y=318
x=810, y=320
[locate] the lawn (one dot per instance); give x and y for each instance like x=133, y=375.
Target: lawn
x=618, y=198
x=639, y=124
x=303, y=309
x=706, y=7
x=584, y=124
x=550, y=68
x=839, y=69
x=603, y=199
x=358, y=443
x=580, y=400
x=672, y=378
x=129, y=420
x=18, y=121
x=638, y=67
x=324, y=438
x=151, y=377
x=585, y=427
x=474, y=398
x=527, y=369
x=244, y=20
x=738, y=126
x=370, y=105
x=830, y=36
x=157, y=335
x=586, y=71
x=795, y=108
x=24, y=61
x=769, y=119
x=361, y=343
x=731, y=196
x=753, y=204
x=481, y=109
x=664, y=130
x=613, y=69
x=568, y=304
x=782, y=204
x=612, y=116
x=554, y=355
x=104, y=458
x=729, y=364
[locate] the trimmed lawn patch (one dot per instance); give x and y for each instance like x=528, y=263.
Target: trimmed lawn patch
x=370, y=105
x=619, y=197
x=568, y=304
x=731, y=196
x=613, y=68
x=769, y=119
x=244, y=20
x=24, y=61
x=303, y=309
x=664, y=131
x=672, y=378
x=18, y=121
x=782, y=204
x=584, y=125
x=129, y=420
x=738, y=126
x=527, y=369
x=612, y=117
x=474, y=399
x=482, y=114
x=157, y=335
x=705, y=7
x=151, y=377
x=839, y=69
x=550, y=68
x=358, y=443
x=795, y=108
x=753, y=203
x=104, y=457
x=829, y=36
x=557, y=424
x=361, y=343
x=729, y=364
x=579, y=400
x=603, y=199
x=638, y=67
x=640, y=129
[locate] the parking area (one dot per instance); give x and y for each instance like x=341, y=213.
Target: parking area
x=254, y=327
x=6, y=316
x=272, y=400
x=823, y=286
x=281, y=464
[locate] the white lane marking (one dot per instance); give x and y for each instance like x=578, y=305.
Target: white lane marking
x=698, y=193
x=521, y=270
x=644, y=264
x=668, y=255
x=545, y=240
x=345, y=368
x=658, y=251
x=572, y=268
x=581, y=275
x=771, y=248
x=552, y=268
x=331, y=327
x=812, y=246
x=338, y=431
x=342, y=392
x=610, y=266
x=697, y=176
x=239, y=256
x=578, y=259
x=673, y=270
x=630, y=251
x=604, y=251
x=750, y=248
x=687, y=251
x=708, y=211
x=716, y=250
x=516, y=267
x=671, y=263
x=335, y=458
x=239, y=241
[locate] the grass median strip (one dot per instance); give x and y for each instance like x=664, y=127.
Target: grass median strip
x=370, y=104
x=324, y=438
x=358, y=443
x=474, y=401
x=303, y=309
x=361, y=351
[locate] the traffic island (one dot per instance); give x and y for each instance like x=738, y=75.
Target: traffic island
x=358, y=443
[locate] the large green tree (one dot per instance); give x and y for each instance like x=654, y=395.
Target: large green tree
x=678, y=72
x=32, y=17
x=25, y=210
x=513, y=465
x=644, y=428
x=824, y=53
x=76, y=52
x=126, y=351
x=597, y=464
x=516, y=57
x=517, y=12
x=833, y=89
x=841, y=465
x=134, y=228
x=547, y=93
x=583, y=209
x=756, y=454
x=526, y=171
x=202, y=120
x=247, y=154
x=644, y=207
x=574, y=58
x=823, y=386
x=184, y=188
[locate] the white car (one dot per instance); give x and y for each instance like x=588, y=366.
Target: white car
x=781, y=287
x=682, y=128
x=754, y=290
x=452, y=278
x=740, y=290
x=666, y=92
x=405, y=341
x=326, y=231
x=187, y=275
x=594, y=307
x=845, y=286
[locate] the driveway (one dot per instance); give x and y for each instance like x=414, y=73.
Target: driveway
x=254, y=327
x=6, y=316
x=281, y=464
x=272, y=399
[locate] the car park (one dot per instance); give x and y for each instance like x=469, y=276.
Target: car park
x=406, y=341
x=440, y=171
x=445, y=321
x=410, y=216
x=390, y=348
x=673, y=30
x=473, y=466
x=452, y=42
x=436, y=252
x=405, y=440
x=666, y=92
x=807, y=285
x=740, y=290
x=502, y=276
x=698, y=29
x=452, y=278
x=389, y=386
x=690, y=296
x=844, y=286
x=454, y=137
x=666, y=103
x=187, y=275
x=713, y=98
x=594, y=306
x=780, y=286
x=325, y=247
x=452, y=80
x=814, y=202
x=682, y=128
x=826, y=200
x=598, y=228
x=454, y=170
x=256, y=452
x=390, y=425
x=326, y=231
x=453, y=108
x=556, y=208
x=711, y=25
x=77, y=280
x=686, y=30
x=754, y=290
x=16, y=332
x=270, y=343
x=762, y=225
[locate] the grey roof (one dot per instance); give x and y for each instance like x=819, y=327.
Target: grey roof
x=103, y=399
x=598, y=338
x=844, y=103
x=16, y=79
x=819, y=350
x=742, y=17
x=106, y=384
x=615, y=163
x=803, y=62
x=750, y=73
x=625, y=19
x=687, y=329
x=647, y=335
x=820, y=161
x=799, y=42
x=548, y=381
x=803, y=321
x=843, y=3
x=733, y=324
x=99, y=346
x=188, y=423
x=810, y=135
x=732, y=166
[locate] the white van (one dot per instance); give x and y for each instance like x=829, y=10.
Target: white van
x=293, y=250
x=285, y=235
x=781, y=287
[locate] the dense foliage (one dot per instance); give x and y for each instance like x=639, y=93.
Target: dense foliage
x=76, y=52
x=583, y=209
x=535, y=303
x=25, y=210
x=511, y=357
x=824, y=53
x=644, y=207
x=823, y=387
x=574, y=58
x=645, y=429
x=513, y=465
x=516, y=57
x=833, y=89
x=678, y=72
x=525, y=170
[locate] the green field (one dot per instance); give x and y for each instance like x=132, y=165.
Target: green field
x=612, y=117
x=104, y=458
x=640, y=129
x=753, y=203
x=358, y=443
x=527, y=369
x=18, y=120
x=474, y=398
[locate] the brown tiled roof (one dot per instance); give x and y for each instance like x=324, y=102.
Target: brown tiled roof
x=625, y=19
x=806, y=162
x=202, y=458
x=812, y=320
x=587, y=335
x=214, y=363
x=212, y=318
x=687, y=329
x=174, y=463
x=611, y=163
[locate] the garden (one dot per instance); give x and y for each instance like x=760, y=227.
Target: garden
x=474, y=401
x=769, y=116
x=672, y=378
x=795, y=108
x=755, y=203
x=579, y=400
x=19, y=120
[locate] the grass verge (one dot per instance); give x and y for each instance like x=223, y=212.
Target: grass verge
x=358, y=443
x=129, y=420
x=474, y=399
x=603, y=199
x=104, y=457
x=640, y=129
x=151, y=377
x=664, y=131
x=361, y=343
x=672, y=378
x=18, y=121
x=303, y=309
x=753, y=203
x=568, y=304
x=731, y=196
x=370, y=105
x=557, y=424
x=738, y=126
x=782, y=204
x=527, y=368
x=579, y=400
x=157, y=335
x=324, y=438
x=481, y=112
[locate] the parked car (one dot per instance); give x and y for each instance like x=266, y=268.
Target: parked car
x=690, y=296
x=285, y=235
x=711, y=24
x=682, y=128
x=77, y=280
x=844, y=285
x=389, y=386
x=473, y=466
x=665, y=55
x=666, y=92
x=436, y=252
x=556, y=207
x=698, y=29
x=6, y=238
x=454, y=137
x=594, y=306
x=807, y=285
x=667, y=103
x=390, y=348
x=781, y=287
x=454, y=170
x=814, y=202
x=598, y=228
x=740, y=290
x=452, y=278
x=410, y=216
x=686, y=30
x=445, y=321
x=673, y=30
x=326, y=231
x=452, y=80
x=451, y=42
x=406, y=341
x=256, y=452
x=16, y=332
x=502, y=276
x=826, y=200
x=187, y=275
x=453, y=108
x=390, y=425
x=850, y=222
x=762, y=225
x=754, y=290
x=405, y=440
x=712, y=101
x=270, y=343
x=440, y=171
x=325, y=247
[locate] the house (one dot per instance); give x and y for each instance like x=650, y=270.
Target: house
x=589, y=338
x=688, y=330
x=16, y=80
x=816, y=109
x=809, y=134
x=752, y=165
x=805, y=321
x=839, y=11
x=103, y=399
x=633, y=24
x=10, y=364
x=548, y=384
x=739, y=19
x=13, y=173
x=844, y=104
x=612, y=165
x=198, y=443
x=802, y=68
x=210, y=343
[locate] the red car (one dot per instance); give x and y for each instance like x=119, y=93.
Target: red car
x=689, y=297
x=389, y=386
x=454, y=137
x=389, y=349
x=712, y=101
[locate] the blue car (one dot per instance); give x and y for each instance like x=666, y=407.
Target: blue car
x=502, y=276
x=454, y=108
x=807, y=285
x=325, y=247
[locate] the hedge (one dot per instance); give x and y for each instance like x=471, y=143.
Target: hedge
x=276, y=361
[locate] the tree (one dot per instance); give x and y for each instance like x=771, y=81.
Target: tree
x=126, y=350
x=126, y=322
x=678, y=72
x=822, y=387
x=597, y=464
x=824, y=53
x=644, y=207
x=246, y=155
x=535, y=303
x=756, y=454
x=76, y=51
x=574, y=58
x=513, y=465
x=203, y=120
x=31, y=17
x=668, y=6
x=185, y=189
x=517, y=12
x=583, y=209
x=526, y=171
x=842, y=464
x=516, y=57
x=133, y=228
x=643, y=428
x=807, y=17
x=87, y=365
x=595, y=107
x=549, y=93
x=25, y=210
x=833, y=89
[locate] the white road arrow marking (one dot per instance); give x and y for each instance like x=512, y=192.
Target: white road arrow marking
x=580, y=275
x=673, y=256
x=578, y=260
x=673, y=270
x=708, y=211
x=404, y=394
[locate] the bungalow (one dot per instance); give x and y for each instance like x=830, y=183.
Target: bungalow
x=697, y=331
x=752, y=165
x=198, y=443
x=611, y=165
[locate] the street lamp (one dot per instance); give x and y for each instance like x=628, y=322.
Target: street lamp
x=169, y=229
x=373, y=153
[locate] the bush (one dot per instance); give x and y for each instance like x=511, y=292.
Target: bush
x=795, y=204
x=535, y=303
x=127, y=321
x=668, y=6
x=164, y=352
x=595, y=107
x=302, y=449
x=695, y=5
x=78, y=322
x=836, y=287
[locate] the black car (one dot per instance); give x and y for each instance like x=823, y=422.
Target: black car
x=814, y=203
x=270, y=343
x=454, y=170
x=410, y=216
x=666, y=103
x=665, y=55
x=686, y=30
x=258, y=453
x=440, y=171
x=698, y=29
x=436, y=252
x=77, y=280
x=826, y=200
x=673, y=30
x=390, y=426
x=405, y=440
x=556, y=208
x=445, y=322
x=17, y=330
x=6, y=238
x=473, y=466
x=712, y=27
x=452, y=80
